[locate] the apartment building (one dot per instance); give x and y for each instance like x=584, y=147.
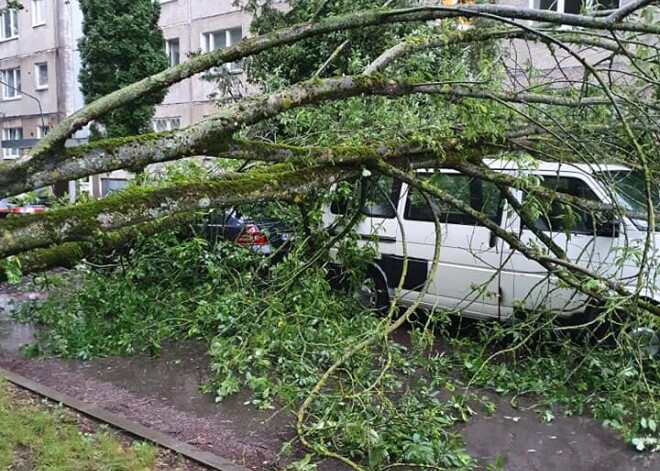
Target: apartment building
x=189, y=27
x=39, y=64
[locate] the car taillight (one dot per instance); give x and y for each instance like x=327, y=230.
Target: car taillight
x=251, y=235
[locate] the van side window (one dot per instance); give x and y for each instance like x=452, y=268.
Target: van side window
x=381, y=197
x=343, y=195
x=480, y=195
x=562, y=217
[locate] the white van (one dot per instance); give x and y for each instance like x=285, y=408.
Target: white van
x=478, y=274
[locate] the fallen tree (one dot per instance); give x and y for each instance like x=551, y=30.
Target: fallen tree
x=561, y=87
x=587, y=118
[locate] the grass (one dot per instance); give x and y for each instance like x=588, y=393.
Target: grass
x=37, y=435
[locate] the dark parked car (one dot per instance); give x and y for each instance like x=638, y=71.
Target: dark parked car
x=261, y=235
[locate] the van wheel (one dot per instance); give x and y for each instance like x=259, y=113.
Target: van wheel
x=598, y=327
x=372, y=293
x=644, y=341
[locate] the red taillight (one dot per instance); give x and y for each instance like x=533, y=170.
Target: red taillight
x=251, y=235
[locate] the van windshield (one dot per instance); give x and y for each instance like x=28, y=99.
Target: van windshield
x=627, y=187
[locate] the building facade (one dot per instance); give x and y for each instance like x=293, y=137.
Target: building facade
x=190, y=27
x=39, y=65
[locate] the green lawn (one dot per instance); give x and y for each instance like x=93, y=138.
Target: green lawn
x=36, y=435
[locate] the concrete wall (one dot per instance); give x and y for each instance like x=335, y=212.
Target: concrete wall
x=189, y=20
x=559, y=65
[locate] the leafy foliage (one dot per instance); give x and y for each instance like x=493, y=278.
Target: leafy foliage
x=417, y=120
x=276, y=330
x=302, y=60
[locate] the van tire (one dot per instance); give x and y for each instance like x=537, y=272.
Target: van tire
x=599, y=328
x=372, y=292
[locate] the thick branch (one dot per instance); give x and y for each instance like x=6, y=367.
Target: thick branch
x=627, y=10
x=251, y=46
x=89, y=221
x=212, y=135
x=412, y=45
x=67, y=255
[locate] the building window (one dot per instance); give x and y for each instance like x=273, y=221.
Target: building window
x=41, y=75
x=42, y=131
x=11, y=134
x=9, y=23
x=574, y=6
x=38, y=12
x=109, y=185
x=172, y=51
x=166, y=124
x=11, y=83
x=220, y=39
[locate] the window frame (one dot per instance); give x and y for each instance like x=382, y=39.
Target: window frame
x=38, y=84
x=40, y=10
x=169, y=50
x=476, y=202
x=208, y=45
x=11, y=15
x=106, y=183
x=171, y=123
x=11, y=91
x=11, y=152
x=381, y=210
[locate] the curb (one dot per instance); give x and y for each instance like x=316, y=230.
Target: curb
x=159, y=438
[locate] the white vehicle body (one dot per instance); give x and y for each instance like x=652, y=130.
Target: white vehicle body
x=478, y=274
